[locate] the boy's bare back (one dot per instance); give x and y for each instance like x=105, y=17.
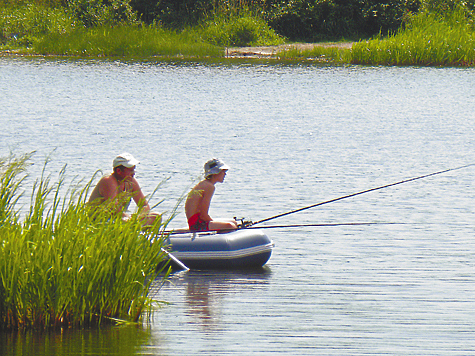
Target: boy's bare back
x=199, y=199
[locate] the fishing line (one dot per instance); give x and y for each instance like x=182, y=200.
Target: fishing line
x=362, y=192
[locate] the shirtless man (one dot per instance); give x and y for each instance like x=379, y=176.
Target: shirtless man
x=119, y=187
x=199, y=199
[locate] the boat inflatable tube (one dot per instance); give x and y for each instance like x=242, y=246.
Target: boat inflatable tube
x=240, y=249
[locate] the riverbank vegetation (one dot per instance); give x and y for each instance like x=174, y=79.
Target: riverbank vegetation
x=427, y=39
x=61, y=268
x=400, y=32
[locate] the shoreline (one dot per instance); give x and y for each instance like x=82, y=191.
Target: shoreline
x=258, y=52
x=271, y=51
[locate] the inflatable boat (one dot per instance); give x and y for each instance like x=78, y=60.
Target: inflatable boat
x=240, y=249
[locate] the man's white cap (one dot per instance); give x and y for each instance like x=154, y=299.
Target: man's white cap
x=125, y=159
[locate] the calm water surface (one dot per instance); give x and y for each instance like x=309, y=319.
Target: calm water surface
x=294, y=136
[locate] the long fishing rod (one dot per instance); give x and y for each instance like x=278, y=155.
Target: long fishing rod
x=359, y=193
x=249, y=226
x=324, y=225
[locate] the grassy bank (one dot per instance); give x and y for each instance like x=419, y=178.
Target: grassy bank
x=427, y=39
x=61, y=268
x=36, y=29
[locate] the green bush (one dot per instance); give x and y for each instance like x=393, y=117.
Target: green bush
x=239, y=31
x=179, y=14
x=101, y=12
x=22, y=25
x=314, y=20
x=386, y=17
x=173, y=14
x=445, y=6
x=44, y=3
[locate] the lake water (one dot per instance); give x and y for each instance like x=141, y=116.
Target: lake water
x=294, y=135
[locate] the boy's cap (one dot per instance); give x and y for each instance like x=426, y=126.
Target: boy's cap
x=214, y=166
x=125, y=159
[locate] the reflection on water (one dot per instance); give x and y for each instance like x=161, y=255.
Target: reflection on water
x=121, y=341
x=206, y=291
x=198, y=300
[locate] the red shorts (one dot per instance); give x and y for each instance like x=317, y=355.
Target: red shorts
x=195, y=223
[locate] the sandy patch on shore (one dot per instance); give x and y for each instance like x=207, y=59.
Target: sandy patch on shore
x=271, y=51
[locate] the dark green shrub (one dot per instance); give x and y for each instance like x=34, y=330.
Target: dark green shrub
x=147, y=10
x=244, y=30
x=386, y=16
x=101, y=12
x=173, y=13
x=323, y=19
x=45, y=3
x=444, y=6
x=178, y=14
x=21, y=25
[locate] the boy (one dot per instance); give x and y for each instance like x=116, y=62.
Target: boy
x=199, y=199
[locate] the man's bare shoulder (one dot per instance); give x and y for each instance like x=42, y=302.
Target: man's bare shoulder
x=108, y=185
x=108, y=180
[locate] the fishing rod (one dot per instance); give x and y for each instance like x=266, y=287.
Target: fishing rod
x=323, y=225
x=359, y=193
x=248, y=225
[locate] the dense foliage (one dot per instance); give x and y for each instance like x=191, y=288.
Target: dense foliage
x=295, y=19
x=200, y=28
x=349, y=18
x=305, y=20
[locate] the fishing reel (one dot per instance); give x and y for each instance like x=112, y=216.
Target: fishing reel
x=243, y=223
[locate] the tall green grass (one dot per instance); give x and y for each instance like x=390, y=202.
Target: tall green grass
x=61, y=268
x=429, y=39
x=126, y=41
x=325, y=53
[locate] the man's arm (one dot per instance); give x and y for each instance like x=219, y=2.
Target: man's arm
x=139, y=196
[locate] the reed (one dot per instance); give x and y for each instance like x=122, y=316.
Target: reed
x=130, y=41
x=61, y=268
x=428, y=39
x=324, y=53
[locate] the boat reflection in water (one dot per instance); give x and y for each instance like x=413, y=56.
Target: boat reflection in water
x=208, y=290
